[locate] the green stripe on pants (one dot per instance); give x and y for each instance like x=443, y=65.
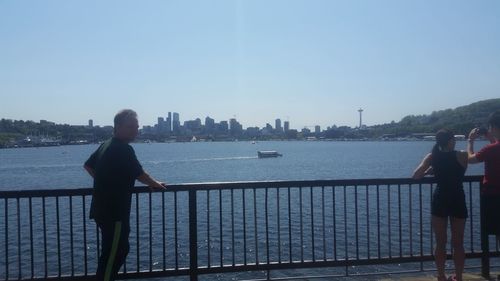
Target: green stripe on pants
x=114, y=249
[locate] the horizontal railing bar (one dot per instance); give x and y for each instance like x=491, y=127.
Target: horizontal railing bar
x=45, y=193
x=309, y=183
x=329, y=263
x=234, y=185
x=306, y=277
x=128, y=275
x=184, y=271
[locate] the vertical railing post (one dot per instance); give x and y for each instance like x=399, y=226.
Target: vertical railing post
x=485, y=245
x=193, y=236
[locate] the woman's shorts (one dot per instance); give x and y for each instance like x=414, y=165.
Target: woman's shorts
x=449, y=204
x=490, y=213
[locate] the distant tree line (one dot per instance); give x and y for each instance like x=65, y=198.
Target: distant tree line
x=14, y=130
x=460, y=120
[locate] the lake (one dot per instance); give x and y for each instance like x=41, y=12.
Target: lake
x=61, y=166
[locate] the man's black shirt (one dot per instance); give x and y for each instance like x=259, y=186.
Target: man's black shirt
x=116, y=169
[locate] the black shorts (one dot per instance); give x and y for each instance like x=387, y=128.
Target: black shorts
x=449, y=204
x=490, y=213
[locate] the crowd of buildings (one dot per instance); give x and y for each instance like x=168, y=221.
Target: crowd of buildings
x=170, y=127
x=167, y=129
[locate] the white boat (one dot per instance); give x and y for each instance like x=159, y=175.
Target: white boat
x=268, y=153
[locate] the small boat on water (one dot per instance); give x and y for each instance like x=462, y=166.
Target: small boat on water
x=268, y=153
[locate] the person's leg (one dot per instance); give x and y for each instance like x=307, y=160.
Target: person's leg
x=439, y=225
x=107, y=240
x=111, y=268
x=457, y=242
x=123, y=247
x=490, y=217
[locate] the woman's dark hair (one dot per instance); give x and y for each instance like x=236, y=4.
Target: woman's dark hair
x=443, y=136
x=494, y=119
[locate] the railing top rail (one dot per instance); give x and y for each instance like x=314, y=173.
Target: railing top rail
x=235, y=185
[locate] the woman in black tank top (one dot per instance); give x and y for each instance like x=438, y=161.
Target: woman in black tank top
x=448, y=199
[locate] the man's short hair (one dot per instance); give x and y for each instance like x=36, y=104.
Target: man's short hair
x=123, y=115
x=494, y=119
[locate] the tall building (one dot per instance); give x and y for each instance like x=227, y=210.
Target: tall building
x=287, y=126
x=91, y=123
x=317, y=129
x=223, y=127
x=161, y=125
x=169, y=123
x=176, y=123
x=235, y=127
x=252, y=132
x=209, y=124
x=193, y=125
x=278, y=125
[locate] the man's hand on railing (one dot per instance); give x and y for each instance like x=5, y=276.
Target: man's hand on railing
x=153, y=184
x=158, y=187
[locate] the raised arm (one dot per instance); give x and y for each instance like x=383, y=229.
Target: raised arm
x=423, y=168
x=473, y=135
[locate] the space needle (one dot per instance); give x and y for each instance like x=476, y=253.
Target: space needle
x=360, y=117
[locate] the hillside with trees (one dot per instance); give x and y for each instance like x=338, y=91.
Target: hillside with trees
x=460, y=120
x=16, y=130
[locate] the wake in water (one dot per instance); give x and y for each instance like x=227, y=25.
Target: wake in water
x=203, y=159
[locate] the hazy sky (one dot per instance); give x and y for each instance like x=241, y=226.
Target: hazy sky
x=310, y=62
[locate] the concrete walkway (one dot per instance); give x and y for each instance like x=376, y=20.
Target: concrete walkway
x=432, y=277
x=425, y=276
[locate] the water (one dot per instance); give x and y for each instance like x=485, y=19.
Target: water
x=61, y=167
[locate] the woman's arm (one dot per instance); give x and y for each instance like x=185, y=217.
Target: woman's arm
x=463, y=158
x=421, y=170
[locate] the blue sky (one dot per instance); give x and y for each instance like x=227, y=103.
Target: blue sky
x=310, y=62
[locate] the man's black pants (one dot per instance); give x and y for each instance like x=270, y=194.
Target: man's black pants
x=114, y=250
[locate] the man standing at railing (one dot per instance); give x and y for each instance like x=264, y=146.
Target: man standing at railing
x=115, y=169
x=490, y=155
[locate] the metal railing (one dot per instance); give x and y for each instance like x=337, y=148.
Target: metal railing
x=218, y=228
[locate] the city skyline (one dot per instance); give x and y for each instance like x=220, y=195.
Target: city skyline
x=278, y=122
x=167, y=123
x=176, y=121
x=309, y=62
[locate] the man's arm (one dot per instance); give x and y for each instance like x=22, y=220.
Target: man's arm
x=145, y=178
x=89, y=170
